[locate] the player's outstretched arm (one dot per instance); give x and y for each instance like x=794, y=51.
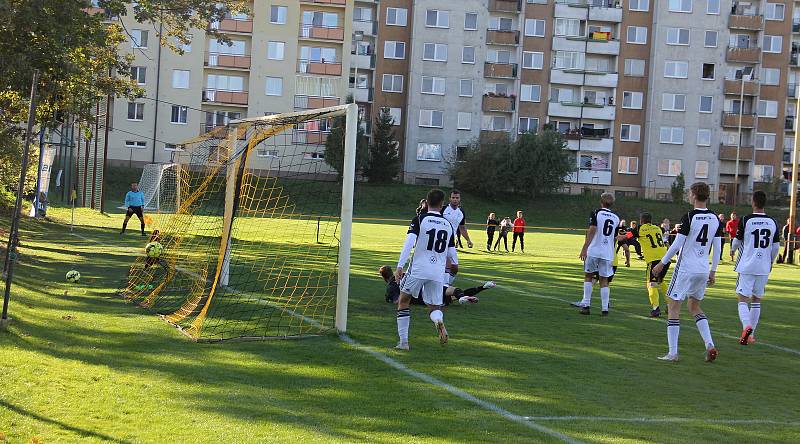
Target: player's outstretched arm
x=408, y=245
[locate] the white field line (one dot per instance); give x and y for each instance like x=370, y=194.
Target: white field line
x=669, y=420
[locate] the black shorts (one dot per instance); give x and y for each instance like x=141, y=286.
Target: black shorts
x=610, y=278
x=134, y=210
x=657, y=279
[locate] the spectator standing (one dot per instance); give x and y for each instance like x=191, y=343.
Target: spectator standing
x=505, y=227
x=666, y=229
x=634, y=241
x=491, y=226
x=519, y=233
x=731, y=228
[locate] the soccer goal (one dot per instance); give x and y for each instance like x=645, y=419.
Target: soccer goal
x=259, y=244
x=159, y=184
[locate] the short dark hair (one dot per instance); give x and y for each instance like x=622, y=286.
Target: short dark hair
x=435, y=198
x=646, y=218
x=455, y=191
x=760, y=199
x=701, y=191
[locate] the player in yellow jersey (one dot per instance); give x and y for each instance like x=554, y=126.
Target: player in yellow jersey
x=651, y=237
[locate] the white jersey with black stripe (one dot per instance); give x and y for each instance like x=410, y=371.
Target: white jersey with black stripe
x=434, y=237
x=603, y=243
x=455, y=216
x=700, y=226
x=757, y=233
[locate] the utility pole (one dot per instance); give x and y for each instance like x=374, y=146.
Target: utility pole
x=11, y=252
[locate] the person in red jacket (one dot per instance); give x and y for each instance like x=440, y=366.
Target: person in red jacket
x=519, y=233
x=731, y=227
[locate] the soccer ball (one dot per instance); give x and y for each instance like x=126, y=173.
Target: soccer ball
x=73, y=276
x=153, y=249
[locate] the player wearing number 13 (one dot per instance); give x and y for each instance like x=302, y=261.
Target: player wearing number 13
x=431, y=237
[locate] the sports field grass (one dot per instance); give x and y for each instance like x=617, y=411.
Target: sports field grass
x=86, y=366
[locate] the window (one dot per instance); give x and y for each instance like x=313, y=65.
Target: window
x=710, y=40
x=225, y=83
x=534, y=28
x=275, y=50
x=186, y=46
x=237, y=47
x=767, y=108
x=637, y=35
x=318, y=54
x=437, y=19
x=498, y=56
x=180, y=114
x=532, y=60
x=772, y=43
x=266, y=153
x=706, y=104
x=173, y=147
x=138, y=74
x=669, y=167
x=541, y=2
x=676, y=69
x=429, y=151
x=396, y=16
x=313, y=156
x=277, y=15
x=567, y=27
x=135, y=111
x=677, y=36
x=703, y=137
x=433, y=85
x=362, y=14
x=139, y=38
x=634, y=67
x=672, y=135
x=465, y=88
x=397, y=114
x=639, y=5
x=464, y=121
x=392, y=83
x=468, y=54
x=394, y=50
x=775, y=11
x=501, y=23
x=682, y=5
x=701, y=169
x=497, y=123
x=762, y=173
x=708, y=71
x=673, y=102
x=765, y=142
x=632, y=99
x=628, y=165
x=274, y=86
x=180, y=78
x=770, y=76
x=629, y=132
x=530, y=93
x=471, y=21
x=431, y=118
x=712, y=7
x=528, y=125
x=135, y=144
x=436, y=52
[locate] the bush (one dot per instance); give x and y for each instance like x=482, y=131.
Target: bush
x=678, y=189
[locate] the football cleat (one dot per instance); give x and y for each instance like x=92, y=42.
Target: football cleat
x=656, y=312
x=711, y=354
x=489, y=284
x=604, y=313
x=578, y=304
x=669, y=357
x=586, y=311
x=751, y=339
x=402, y=346
x=747, y=333
x=442, y=332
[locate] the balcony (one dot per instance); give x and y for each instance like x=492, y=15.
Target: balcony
x=226, y=97
x=362, y=61
x=321, y=33
x=504, y=6
x=593, y=177
x=601, y=145
x=794, y=59
x=326, y=2
x=788, y=123
x=369, y=28
x=502, y=37
x=792, y=91
x=231, y=25
x=565, y=10
x=362, y=95
x=734, y=87
x=217, y=60
x=500, y=70
x=571, y=44
x=603, y=46
x=745, y=22
x=577, y=110
x=314, y=102
x=501, y=104
x=750, y=54
x=605, y=13
x=731, y=120
x=319, y=67
x=576, y=77
x=728, y=152
x=564, y=109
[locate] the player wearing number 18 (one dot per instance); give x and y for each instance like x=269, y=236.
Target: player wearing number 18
x=651, y=238
x=758, y=243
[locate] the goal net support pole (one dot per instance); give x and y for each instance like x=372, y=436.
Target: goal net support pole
x=348, y=186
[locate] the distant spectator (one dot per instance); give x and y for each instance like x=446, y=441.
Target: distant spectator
x=665, y=229
x=721, y=217
x=491, y=226
x=731, y=227
x=519, y=233
x=423, y=207
x=505, y=227
x=634, y=241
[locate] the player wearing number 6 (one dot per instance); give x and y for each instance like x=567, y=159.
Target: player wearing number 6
x=651, y=238
x=431, y=236
x=700, y=231
x=598, y=254
x=758, y=243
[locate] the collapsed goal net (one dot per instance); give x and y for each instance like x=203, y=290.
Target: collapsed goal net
x=258, y=243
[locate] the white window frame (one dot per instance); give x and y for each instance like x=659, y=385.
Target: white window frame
x=137, y=72
x=437, y=47
x=713, y=72
x=632, y=129
x=461, y=88
x=765, y=137
x=705, y=38
x=533, y=56
x=279, y=47
x=670, y=170
x=277, y=20
x=526, y=93
x=700, y=175
x=710, y=7
x=138, y=106
x=135, y=144
x=767, y=75
x=433, y=146
x=467, y=15
x=394, y=44
x=639, y=6
x=434, y=82
x=398, y=14
x=183, y=115
x=464, y=121
x=676, y=64
x=392, y=83
x=464, y=53
x=267, y=153
x=669, y=100
x=676, y=34
x=136, y=38
x=769, y=105
x=673, y=131
x=527, y=126
x=700, y=105
x=532, y=25
x=703, y=131
x=627, y=161
x=397, y=116
x=629, y=65
x=639, y=35
x=672, y=7
x=771, y=47
x=426, y=118
x=275, y=80
x=759, y=173
x=439, y=14
x=771, y=8
x=636, y=99
x=181, y=78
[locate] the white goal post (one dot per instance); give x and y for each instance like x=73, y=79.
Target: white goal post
x=159, y=179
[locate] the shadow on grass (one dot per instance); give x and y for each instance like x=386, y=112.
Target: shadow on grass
x=77, y=430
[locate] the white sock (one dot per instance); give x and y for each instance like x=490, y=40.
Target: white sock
x=403, y=321
x=673, y=331
x=436, y=316
x=755, y=313
x=705, y=330
x=605, y=295
x=744, y=314
x=587, y=294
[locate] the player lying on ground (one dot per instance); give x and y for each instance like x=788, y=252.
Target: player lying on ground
x=598, y=253
x=651, y=239
x=431, y=238
x=700, y=230
x=758, y=242
x=450, y=294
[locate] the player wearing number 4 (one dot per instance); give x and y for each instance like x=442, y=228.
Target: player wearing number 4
x=432, y=239
x=653, y=249
x=700, y=231
x=758, y=243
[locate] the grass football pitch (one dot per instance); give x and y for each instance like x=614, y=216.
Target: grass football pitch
x=81, y=364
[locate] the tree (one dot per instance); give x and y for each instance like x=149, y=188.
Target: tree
x=334, y=145
x=483, y=168
x=383, y=163
x=678, y=188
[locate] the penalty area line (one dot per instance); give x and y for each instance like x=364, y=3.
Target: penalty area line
x=666, y=420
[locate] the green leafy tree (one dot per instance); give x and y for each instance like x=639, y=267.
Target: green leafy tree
x=383, y=163
x=483, y=169
x=678, y=188
x=540, y=163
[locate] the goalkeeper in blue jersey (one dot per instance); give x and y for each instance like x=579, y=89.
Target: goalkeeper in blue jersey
x=134, y=202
